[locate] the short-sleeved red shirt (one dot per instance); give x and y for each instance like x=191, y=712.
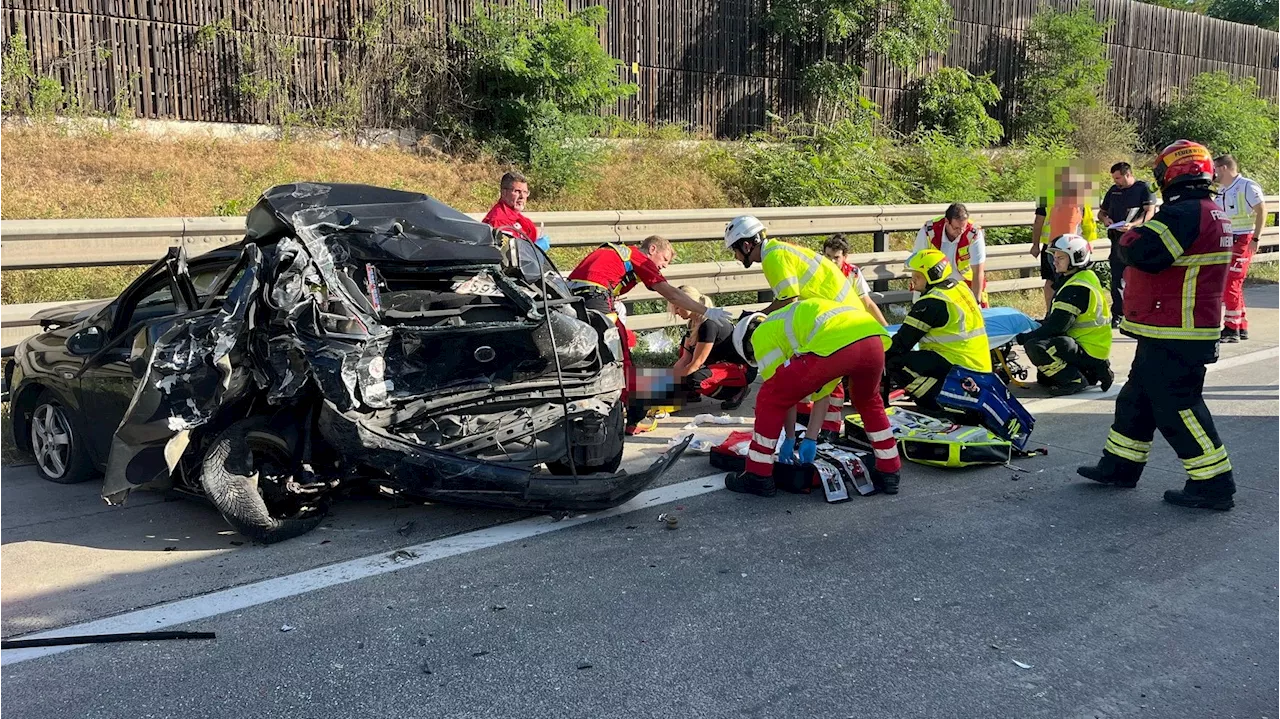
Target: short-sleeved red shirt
x=504, y=216
x=605, y=268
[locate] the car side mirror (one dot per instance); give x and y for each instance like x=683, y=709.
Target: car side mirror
x=86, y=342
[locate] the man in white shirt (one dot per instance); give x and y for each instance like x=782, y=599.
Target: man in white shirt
x=963, y=243
x=1241, y=199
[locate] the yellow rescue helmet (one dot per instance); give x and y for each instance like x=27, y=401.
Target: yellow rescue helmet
x=931, y=263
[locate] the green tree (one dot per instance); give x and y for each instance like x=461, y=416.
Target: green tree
x=901, y=31
x=954, y=102
x=1194, y=6
x=1263, y=13
x=1226, y=116
x=535, y=83
x=1066, y=70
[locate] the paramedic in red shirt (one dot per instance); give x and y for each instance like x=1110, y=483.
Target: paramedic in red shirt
x=508, y=212
x=610, y=271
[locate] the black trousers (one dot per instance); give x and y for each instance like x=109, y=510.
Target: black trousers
x=1165, y=391
x=1117, y=275
x=1117, y=287
x=920, y=373
x=1061, y=361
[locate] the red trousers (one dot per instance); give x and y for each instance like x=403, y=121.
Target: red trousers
x=719, y=378
x=862, y=362
x=1233, y=295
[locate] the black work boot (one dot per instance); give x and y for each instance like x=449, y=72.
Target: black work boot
x=748, y=483
x=1109, y=471
x=1065, y=388
x=886, y=482
x=1229, y=336
x=736, y=400
x=1106, y=378
x=1204, y=493
x=1244, y=334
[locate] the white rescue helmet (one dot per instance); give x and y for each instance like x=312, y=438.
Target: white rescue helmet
x=1075, y=247
x=744, y=227
x=741, y=345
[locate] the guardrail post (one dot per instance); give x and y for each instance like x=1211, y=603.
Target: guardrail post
x=880, y=243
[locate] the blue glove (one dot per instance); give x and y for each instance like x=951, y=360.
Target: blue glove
x=808, y=451
x=543, y=243
x=787, y=450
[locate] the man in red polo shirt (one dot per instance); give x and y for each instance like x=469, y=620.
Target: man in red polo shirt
x=508, y=213
x=611, y=271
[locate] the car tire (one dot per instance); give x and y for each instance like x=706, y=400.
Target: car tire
x=57, y=443
x=230, y=476
x=615, y=424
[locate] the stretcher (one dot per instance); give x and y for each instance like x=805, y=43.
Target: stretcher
x=1004, y=324
x=935, y=441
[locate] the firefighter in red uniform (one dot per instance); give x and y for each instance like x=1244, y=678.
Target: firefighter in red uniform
x=609, y=272
x=1175, y=270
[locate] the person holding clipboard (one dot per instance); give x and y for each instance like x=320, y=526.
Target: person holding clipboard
x=1126, y=205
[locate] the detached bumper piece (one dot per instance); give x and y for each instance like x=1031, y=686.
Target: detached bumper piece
x=430, y=474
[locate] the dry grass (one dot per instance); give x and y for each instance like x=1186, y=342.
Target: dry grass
x=1264, y=273
x=50, y=174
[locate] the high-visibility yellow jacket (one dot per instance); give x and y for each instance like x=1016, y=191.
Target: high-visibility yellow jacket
x=811, y=326
x=794, y=271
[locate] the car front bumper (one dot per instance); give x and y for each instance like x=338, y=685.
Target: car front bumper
x=419, y=471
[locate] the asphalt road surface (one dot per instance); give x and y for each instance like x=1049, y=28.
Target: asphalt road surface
x=991, y=592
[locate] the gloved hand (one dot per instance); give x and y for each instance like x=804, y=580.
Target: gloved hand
x=1021, y=338
x=717, y=313
x=787, y=450
x=808, y=451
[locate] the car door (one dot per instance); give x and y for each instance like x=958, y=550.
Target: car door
x=109, y=378
x=184, y=365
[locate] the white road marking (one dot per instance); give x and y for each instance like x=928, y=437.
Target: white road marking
x=234, y=599
x=1052, y=404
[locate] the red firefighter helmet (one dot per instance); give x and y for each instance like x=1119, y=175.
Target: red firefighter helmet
x=1182, y=162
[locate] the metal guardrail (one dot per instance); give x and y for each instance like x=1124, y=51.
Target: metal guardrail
x=43, y=244
x=35, y=244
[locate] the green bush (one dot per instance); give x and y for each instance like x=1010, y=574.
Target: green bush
x=954, y=102
x=844, y=163
x=1066, y=69
x=1098, y=131
x=536, y=82
x=940, y=170
x=1226, y=116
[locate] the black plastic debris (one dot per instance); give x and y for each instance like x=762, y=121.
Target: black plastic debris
x=158, y=635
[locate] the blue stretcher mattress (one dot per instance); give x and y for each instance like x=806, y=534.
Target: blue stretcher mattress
x=1003, y=324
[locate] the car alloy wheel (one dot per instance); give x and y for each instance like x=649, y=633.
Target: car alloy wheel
x=51, y=440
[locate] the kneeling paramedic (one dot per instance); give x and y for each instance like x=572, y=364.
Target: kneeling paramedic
x=806, y=350
x=947, y=324
x=611, y=271
x=1175, y=271
x=1072, y=347
x=708, y=365
x=797, y=273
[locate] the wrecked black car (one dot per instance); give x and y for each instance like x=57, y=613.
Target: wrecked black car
x=357, y=336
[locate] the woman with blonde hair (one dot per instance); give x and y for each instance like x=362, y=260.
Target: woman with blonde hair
x=709, y=365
